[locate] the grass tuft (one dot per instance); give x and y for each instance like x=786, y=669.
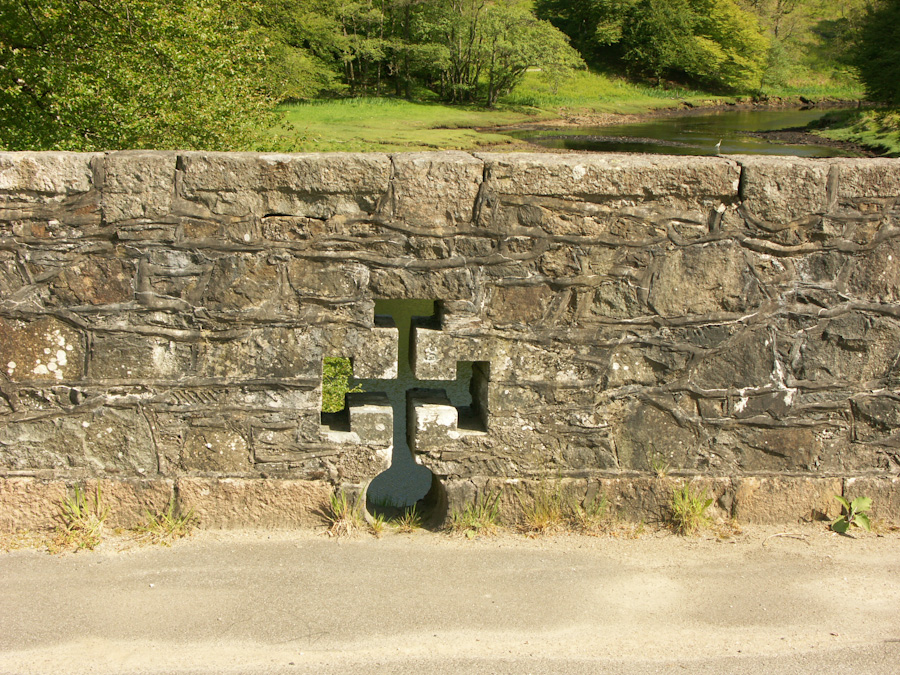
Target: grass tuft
x=166, y=526
x=481, y=516
x=689, y=510
x=345, y=515
x=82, y=522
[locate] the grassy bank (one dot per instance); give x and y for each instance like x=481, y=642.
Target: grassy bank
x=390, y=125
x=387, y=124
x=875, y=129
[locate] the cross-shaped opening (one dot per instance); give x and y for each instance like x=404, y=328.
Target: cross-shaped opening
x=407, y=483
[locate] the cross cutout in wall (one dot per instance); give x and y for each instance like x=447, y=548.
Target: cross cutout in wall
x=433, y=399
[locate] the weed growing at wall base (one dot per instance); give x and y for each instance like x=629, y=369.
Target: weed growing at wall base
x=82, y=521
x=855, y=514
x=167, y=526
x=689, y=509
x=481, y=516
x=345, y=515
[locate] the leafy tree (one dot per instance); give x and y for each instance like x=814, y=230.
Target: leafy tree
x=877, y=52
x=109, y=74
x=712, y=42
x=657, y=36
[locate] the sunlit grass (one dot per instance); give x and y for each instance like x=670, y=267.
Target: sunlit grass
x=396, y=125
x=386, y=125
x=878, y=129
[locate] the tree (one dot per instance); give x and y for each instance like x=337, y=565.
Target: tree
x=712, y=42
x=111, y=74
x=877, y=52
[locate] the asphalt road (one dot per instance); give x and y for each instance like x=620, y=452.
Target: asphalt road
x=424, y=603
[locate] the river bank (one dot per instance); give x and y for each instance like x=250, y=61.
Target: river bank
x=586, y=120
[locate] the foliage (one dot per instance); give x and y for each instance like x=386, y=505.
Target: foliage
x=82, y=521
x=112, y=74
x=689, y=509
x=876, y=129
x=166, y=526
x=877, y=51
x=545, y=511
x=345, y=515
x=408, y=521
x=855, y=514
x=590, y=515
x=481, y=516
x=336, y=375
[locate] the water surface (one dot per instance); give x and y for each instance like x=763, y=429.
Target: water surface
x=695, y=134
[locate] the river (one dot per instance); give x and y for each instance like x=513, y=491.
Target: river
x=693, y=134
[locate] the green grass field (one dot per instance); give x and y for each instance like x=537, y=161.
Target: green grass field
x=877, y=129
x=391, y=125
x=388, y=125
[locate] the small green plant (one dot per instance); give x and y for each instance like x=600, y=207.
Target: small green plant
x=689, y=509
x=481, y=516
x=337, y=372
x=377, y=524
x=166, y=526
x=82, y=521
x=345, y=515
x=545, y=512
x=855, y=513
x=660, y=466
x=409, y=521
x=590, y=514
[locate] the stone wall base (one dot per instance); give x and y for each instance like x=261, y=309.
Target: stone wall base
x=223, y=503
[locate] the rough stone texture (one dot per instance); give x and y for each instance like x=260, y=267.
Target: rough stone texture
x=164, y=317
x=884, y=493
x=130, y=501
x=235, y=502
x=30, y=504
x=775, y=499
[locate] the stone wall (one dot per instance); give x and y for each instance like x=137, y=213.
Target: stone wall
x=164, y=319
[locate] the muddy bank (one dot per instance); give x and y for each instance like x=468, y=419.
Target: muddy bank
x=800, y=136
x=787, y=136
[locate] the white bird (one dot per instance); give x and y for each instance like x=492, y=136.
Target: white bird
x=719, y=147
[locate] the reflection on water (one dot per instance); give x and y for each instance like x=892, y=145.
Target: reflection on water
x=690, y=135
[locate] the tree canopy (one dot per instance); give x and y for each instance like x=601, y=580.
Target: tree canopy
x=108, y=74
x=714, y=43
x=877, y=52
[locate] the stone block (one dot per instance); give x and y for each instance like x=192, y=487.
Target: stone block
x=138, y=358
x=884, y=491
x=254, y=503
x=45, y=350
x=130, y=501
x=871, y=178
x=435, y=190
x=432, y=420
x=305, y=185
x=703, y=280
x=94, y=281
x=657, y=186
x=518, y=304
x=433, y=356
x=780, y=191
x=215, y=450
x=261, y=354
x=39, y=176
x=785, y=499
x=106, y=440
x=138, y=185
x=369, y=420
x=373, y=352
x=648, y=498
x=30, y=503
